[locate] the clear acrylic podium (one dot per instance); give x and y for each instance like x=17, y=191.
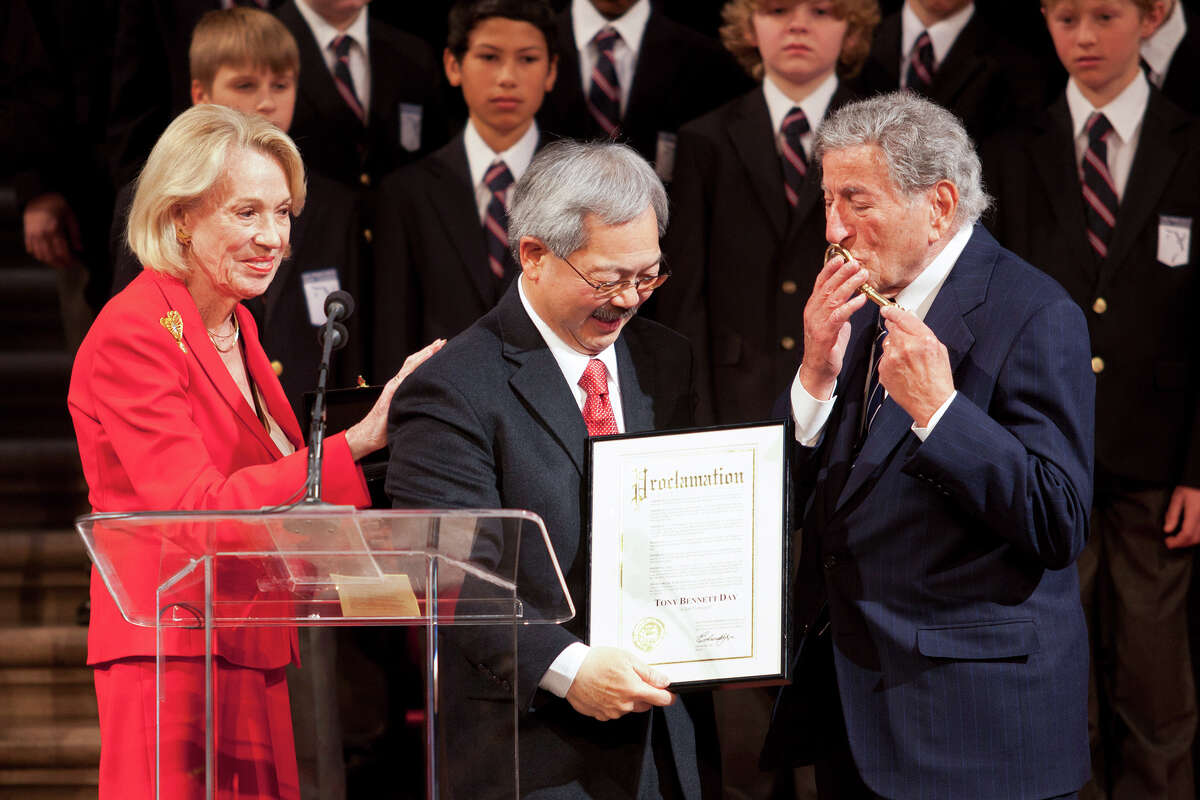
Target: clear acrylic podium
x=230, y=588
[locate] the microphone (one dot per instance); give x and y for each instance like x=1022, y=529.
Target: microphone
x=333, y=336
x=338, y=305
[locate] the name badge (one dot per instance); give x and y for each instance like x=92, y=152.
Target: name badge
x=410, y=127
x=1174, y=240
x=318, y=283
x=664, y=156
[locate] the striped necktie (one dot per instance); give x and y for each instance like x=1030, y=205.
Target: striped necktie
x=920, y=64
x=795, y=163
x=1099, y=190
x=874, y=391
x=495, y=221
x=604, y=94
x=342, y=78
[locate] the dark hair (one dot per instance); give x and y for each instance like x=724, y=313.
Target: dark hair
x=467, y=14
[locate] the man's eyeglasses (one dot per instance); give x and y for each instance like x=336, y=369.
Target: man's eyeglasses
x=643, y=285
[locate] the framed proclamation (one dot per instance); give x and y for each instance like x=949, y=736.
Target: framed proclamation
x=689, y=534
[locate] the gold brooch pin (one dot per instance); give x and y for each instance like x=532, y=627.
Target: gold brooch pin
x=174, y=325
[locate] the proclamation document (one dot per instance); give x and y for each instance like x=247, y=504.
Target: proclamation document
x=689, y=537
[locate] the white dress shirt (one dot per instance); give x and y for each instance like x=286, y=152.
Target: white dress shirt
x=480, y=158
x=811, y=414
x=941, y=35
x=587, y=22
x=572, y=363
x=1125, y=113
x=359, y=56
x=814, y=107
x=1160, y=48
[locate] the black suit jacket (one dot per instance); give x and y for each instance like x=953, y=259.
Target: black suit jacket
x=680, y=74
x=331, y=138
x=490, y=422
x=985, y=79
x=1182, y=82
x=743, y=262
x=1146, y=395
x=431, y=264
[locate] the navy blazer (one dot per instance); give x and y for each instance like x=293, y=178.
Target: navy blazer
x=1143, y=331
x=490, y=422
x=947, y=567
x=743, y=262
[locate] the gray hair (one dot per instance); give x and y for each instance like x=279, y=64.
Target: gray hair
x=922, y=142
x=568, y=180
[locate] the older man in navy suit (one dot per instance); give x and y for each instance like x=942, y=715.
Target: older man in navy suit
x=947, y=441
x=502, y=421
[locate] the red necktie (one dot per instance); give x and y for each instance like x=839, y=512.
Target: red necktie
x=604, y=93
x=597, y=411
x=1099, y=191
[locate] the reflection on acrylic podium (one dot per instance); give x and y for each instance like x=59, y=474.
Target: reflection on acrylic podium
x=226, y=591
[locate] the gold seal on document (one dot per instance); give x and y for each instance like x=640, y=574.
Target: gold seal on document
x=648, y=633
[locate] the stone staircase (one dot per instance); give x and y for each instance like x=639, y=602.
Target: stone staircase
x=49, y=739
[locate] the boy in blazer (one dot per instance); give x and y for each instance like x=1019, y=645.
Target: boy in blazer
x=1100, y=192
x=748, y=230
x=442, y=257
x=946, y=51
x=663, y=74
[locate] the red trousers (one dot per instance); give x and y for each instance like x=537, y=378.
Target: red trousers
x=256, y=757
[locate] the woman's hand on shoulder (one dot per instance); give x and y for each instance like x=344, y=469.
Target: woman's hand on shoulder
x=370, y=433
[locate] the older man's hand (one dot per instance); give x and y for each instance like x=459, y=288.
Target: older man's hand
x=611, y=683
x=827, y=324
x=915, y=367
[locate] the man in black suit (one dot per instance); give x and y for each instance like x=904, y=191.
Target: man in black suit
x=441, y=254
x=501, y=420
x=946, y=51
x=1100, y=192
x=665, y=74
x=1172, y=57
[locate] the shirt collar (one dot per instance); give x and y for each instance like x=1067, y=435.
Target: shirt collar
x=1124, y=112
x=587, y=22
x=919, y=295
x=325, y=33
x=941, y=34
x=480, y=157
x=1161, y=46
x=571, y=362
x=814, y=106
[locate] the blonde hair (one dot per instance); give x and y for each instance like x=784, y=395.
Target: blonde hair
x=861, y=17
x=186, y=163
x=240, y=36
x=1144, y=7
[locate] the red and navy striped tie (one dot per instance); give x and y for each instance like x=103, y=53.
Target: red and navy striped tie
x=920, y=64
x=495, y=220
x=795, y=163
x=342, y=78
x=604, y=95
x=1099, y=192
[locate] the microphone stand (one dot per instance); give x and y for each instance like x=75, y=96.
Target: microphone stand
x=333, y=336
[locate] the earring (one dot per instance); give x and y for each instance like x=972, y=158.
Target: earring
x=183, y=237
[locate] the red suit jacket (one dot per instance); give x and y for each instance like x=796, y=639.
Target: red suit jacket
x=163, y=429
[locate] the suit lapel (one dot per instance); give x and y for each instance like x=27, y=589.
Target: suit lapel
x=961, y=64
x=452, y=195
x=317, y=85
x=1053, y=153
x=964, y=289
x=656, y=64
x=637, y=401
x=195, y=336
x=753, y=139
x=1148, y=178
x=537, y=379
